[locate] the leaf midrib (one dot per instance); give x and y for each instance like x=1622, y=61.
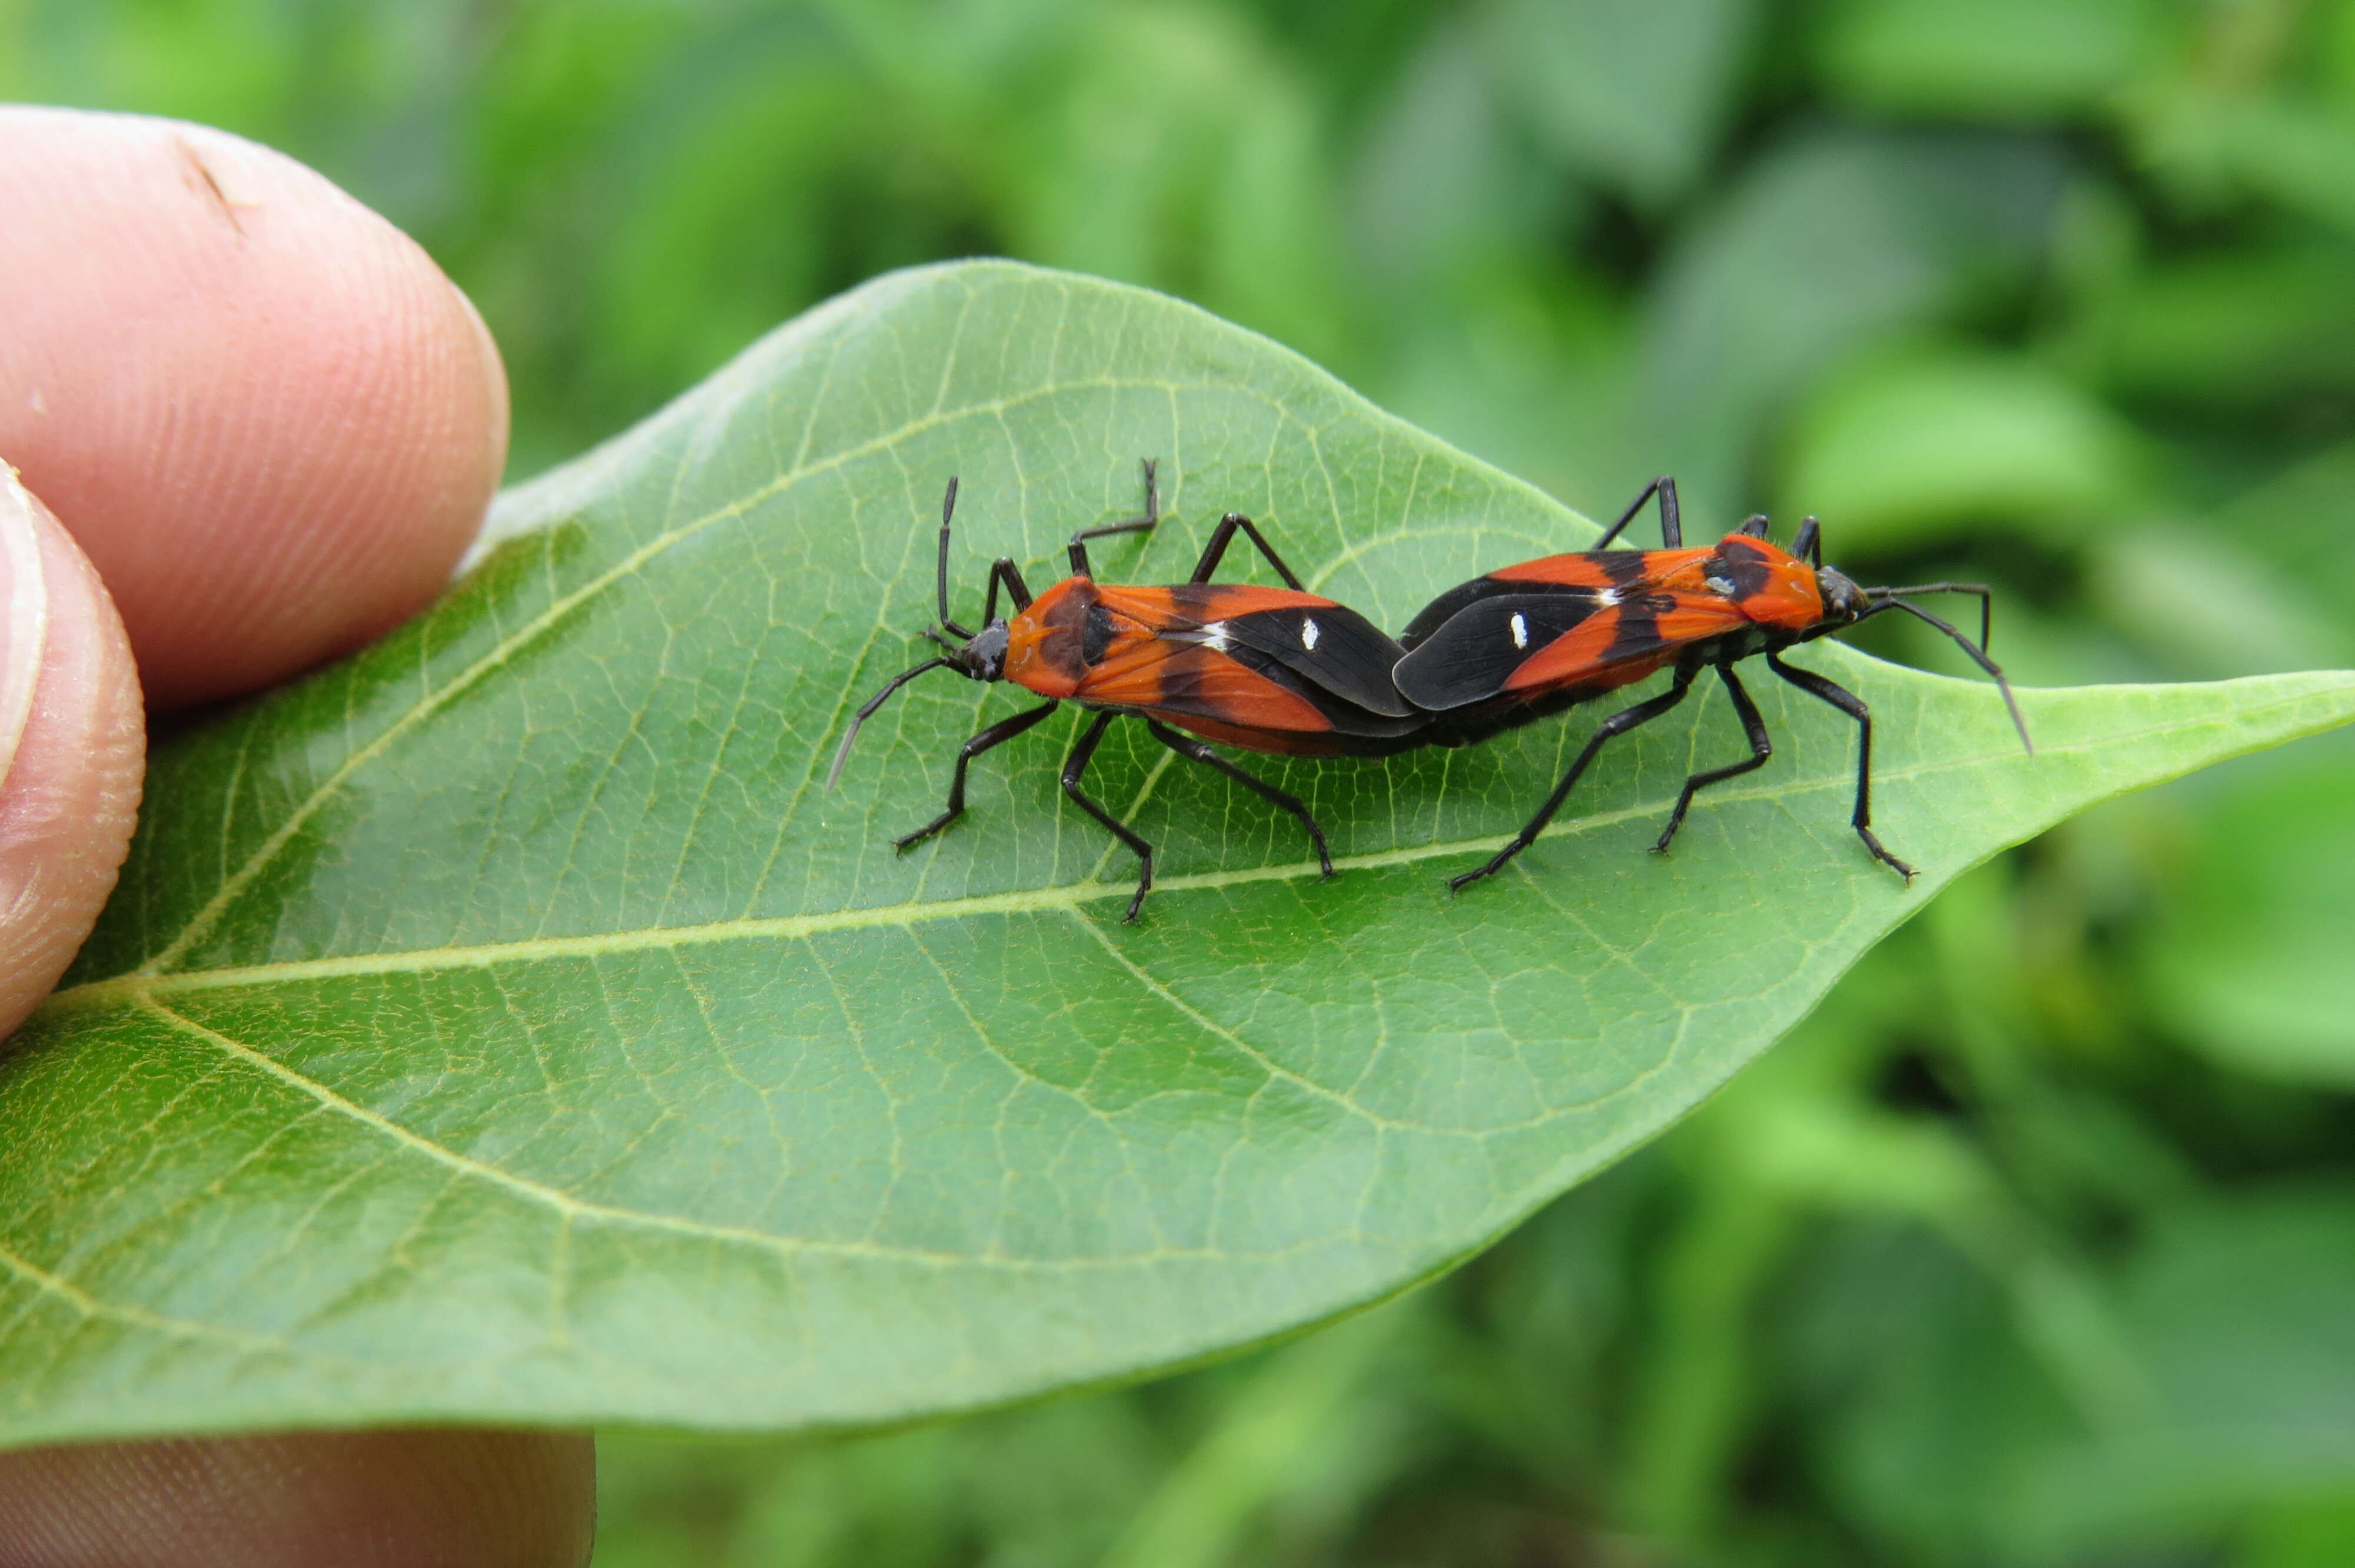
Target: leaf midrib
x=200, y=924
x=1067, y=896
x=139, y=991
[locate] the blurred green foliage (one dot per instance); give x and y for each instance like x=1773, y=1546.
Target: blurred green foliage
x=2037, y=1244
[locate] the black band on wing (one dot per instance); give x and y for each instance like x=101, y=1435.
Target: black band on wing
x=1329, y=646
x=1437, y=613
x=1346, y=716
x=1472, y=654
x=1624, y=569
x=1638, y=634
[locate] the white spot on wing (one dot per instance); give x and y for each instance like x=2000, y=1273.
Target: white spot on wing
x=1309, y=633
x=1607, y=598
x=1520, y=630
x=1214, y=637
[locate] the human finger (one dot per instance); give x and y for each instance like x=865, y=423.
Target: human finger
x=263, y=412
x=450, y=1498
x=72, y=749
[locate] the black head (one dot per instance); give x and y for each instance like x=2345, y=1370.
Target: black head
x=1844, y=602
x=982, y=657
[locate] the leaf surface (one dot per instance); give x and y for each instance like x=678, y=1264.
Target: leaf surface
x=505, y=1025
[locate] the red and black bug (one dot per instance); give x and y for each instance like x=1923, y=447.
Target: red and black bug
x=1533, y=639
x=1271, y=670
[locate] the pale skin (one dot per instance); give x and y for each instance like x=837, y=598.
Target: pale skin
x=255, y=428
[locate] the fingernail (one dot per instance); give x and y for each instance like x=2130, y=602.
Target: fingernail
x=24, y=614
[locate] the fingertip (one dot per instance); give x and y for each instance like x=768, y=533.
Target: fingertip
x=359, y=1500
x=269, y=418
x=72, y=748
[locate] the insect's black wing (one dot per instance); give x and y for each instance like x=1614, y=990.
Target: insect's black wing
x=1470, y=655
x=1443, y=608
x=1330, y=646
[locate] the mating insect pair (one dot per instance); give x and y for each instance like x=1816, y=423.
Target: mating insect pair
x=1289, y=671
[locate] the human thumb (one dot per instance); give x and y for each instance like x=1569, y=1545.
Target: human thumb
x=72, y=748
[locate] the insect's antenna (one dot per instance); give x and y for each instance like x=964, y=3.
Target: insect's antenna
x=948, y=510
x=875, y=702
x=1883, y=599
x=1980, y=591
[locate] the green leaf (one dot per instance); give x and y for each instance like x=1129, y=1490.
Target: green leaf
x=2238, y=329
x=505, y=1025
x=1831, y=242
x=1997, y=59
x=2229, y=1320
x=1220, y=186
x=1924, y=444
x=1631, y=92
x=2247, y=962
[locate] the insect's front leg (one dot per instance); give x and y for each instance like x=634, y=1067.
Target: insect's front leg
x=1003, y=570
x=1848, y=703
x=1004, y=730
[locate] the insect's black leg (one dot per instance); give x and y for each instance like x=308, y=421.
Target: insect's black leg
x=1217, y=549
x=1760, y=748
x=1079, y=545
x=1004, y=730
x=1672, y=530
x=1185, y=746
x=1003, y=570
x=1076, y=765
x=1848, y=703
x=1808, y=543
x=1617, y=724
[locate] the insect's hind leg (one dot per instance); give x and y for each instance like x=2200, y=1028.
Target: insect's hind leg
x=1848, y=703
x=1762, y=746
x=1618, y=723
x=1004, y=730
x=1145, y=525
x=1193, y=750
x=1074, y=767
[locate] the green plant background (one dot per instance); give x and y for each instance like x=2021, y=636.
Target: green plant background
x=2035, y=1245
